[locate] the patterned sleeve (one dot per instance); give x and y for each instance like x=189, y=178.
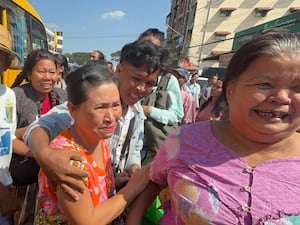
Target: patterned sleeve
x=165, y=158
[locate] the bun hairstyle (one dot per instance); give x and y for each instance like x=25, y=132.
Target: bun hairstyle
x=81, y=80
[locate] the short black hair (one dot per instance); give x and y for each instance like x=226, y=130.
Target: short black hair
x=140, y=53
x=153, y=32
x=82, y=79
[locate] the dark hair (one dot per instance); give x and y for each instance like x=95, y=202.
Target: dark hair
x=141, y=53
x=31, y=60
x=153, y=32
x=63, y=61
x=268, y=45
x=82, y=79
x=101, y=55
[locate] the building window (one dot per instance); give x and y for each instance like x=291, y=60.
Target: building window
x=262, y=11
x=221, y=35
x=225, y=12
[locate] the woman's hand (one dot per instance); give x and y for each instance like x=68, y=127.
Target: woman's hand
x=121, y=180
x=137, y=182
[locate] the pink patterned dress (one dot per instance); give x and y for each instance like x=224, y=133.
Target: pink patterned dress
x=210, y=184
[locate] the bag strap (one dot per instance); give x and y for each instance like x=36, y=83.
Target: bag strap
x=163, y=83
x=126, y=143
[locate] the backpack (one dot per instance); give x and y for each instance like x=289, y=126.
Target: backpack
x=156, y=132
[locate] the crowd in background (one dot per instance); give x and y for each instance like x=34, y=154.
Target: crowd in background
x=103, y=145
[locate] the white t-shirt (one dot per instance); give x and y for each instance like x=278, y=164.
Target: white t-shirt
x=7, y=131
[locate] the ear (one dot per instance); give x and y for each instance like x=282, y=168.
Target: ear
x=229, y=90
x=28, y=75
x=72, y=108
x=119, y=69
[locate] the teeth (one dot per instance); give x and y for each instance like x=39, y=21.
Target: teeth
x=271, y=114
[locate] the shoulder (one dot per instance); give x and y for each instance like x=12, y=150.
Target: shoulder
x=7, y=92
x=61, y=94
x=22, y=88
x=60, y=90
x=202, y=129
x=173, y=84
x=138, y=108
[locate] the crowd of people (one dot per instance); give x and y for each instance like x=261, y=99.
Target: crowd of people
x=75, y=143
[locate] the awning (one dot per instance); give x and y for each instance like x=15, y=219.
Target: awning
x=216, y=56
x=186, y=64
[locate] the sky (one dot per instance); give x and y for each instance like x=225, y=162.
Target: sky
x=105, y=25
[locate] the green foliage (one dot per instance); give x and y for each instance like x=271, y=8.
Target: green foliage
x=78, y=57
x=115, y=56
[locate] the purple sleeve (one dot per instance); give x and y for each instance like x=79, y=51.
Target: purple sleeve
x=165, y=158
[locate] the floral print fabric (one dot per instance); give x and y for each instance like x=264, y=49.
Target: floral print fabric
x=99, y=182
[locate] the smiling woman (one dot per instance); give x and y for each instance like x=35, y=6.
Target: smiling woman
x=34, y=99
x=243, y=170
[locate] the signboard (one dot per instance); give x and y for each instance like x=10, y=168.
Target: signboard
x=290, y=22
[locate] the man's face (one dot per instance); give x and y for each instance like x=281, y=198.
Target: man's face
x=135, y=82
x=194, y=78
x=94, y=56
x=213, y=80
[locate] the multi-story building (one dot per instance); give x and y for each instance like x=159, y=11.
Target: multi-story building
x=55, y=41
x=200, y=29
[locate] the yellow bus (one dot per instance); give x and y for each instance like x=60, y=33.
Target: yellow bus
x=27, y=31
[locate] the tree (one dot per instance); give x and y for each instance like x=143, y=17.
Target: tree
x=115, y=56
x=69, y=57
x=80, y=57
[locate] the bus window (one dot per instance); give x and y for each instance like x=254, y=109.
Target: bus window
x=27, y=31
x=17, y=29
x=38, y=35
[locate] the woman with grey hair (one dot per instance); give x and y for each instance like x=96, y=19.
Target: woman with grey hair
x=243, y=170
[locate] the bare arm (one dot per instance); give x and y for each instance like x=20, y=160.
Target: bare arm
x=20, y=148
x=83, y=212
x=55, y=163
x=20, y=132
x=141, y=204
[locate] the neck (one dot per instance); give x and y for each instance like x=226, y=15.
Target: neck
x=124, y=109
x=89, y=144
x=255, y=152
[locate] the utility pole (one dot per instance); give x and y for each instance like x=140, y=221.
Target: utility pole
x=204, y=30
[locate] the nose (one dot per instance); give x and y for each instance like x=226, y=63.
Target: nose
x=280, y=96
x=109, y=115
x=141, y=87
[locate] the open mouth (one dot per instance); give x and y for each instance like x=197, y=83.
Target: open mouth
x=271, y=115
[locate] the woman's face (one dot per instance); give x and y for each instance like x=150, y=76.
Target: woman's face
x=216, y=89
x=98, y=115
x=43, y=76
x=264, y=101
